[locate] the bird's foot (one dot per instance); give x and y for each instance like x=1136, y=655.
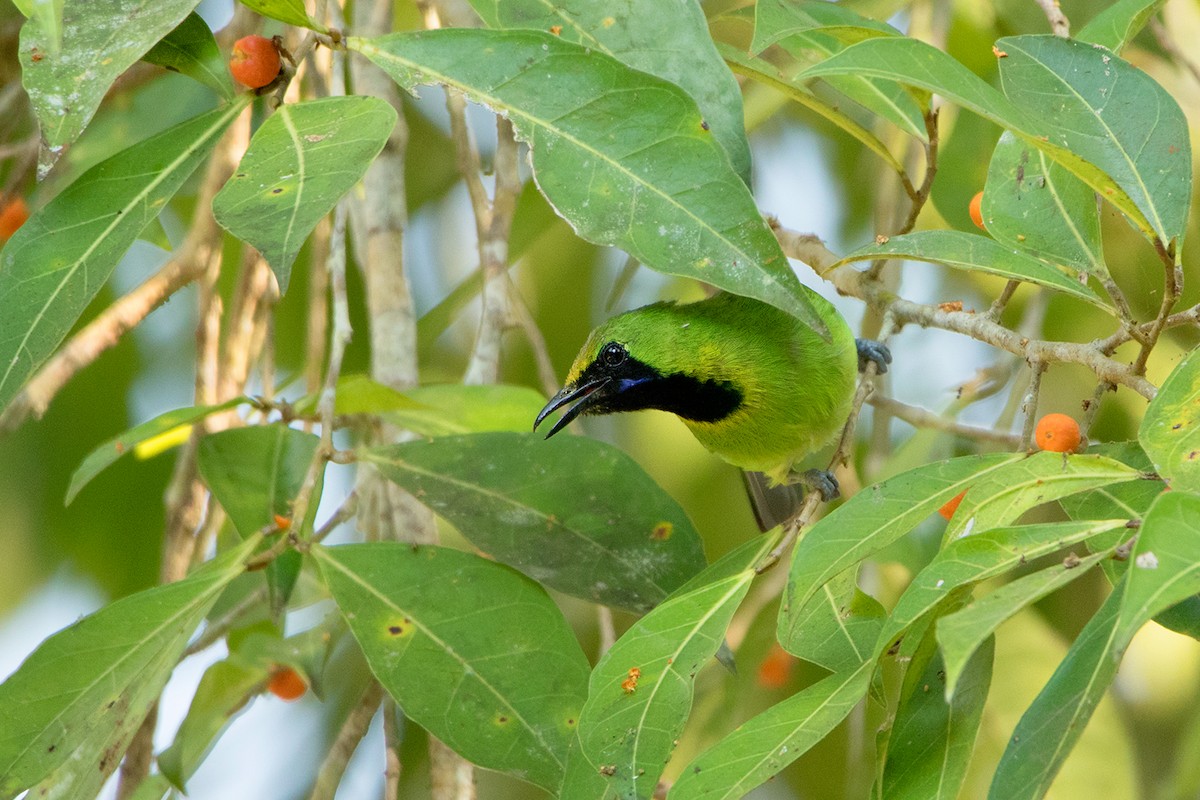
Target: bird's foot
x=821, y=481
x=871, y=351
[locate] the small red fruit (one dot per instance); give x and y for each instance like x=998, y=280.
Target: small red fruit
x=1057, y=433
x=255, y=61
x=12, y=216
x=287, y=684
x=776, y=668
x=951, y=506
x=976, y=209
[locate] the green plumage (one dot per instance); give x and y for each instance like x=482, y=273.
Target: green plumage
x=793, y=388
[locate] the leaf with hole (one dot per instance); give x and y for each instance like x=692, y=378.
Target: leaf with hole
x=473, y=651
x=299, y=164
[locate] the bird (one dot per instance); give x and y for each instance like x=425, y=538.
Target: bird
x=756, y=386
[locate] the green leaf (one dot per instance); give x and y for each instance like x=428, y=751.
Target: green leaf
x=969, y=252
x=56, y=262
x=224, y=689
x=474, y=652
x=255, y=473
x=934, y=732
x=777, y=19
x=1037, y=206
x=68, y=713
x=1007, y=493
x=299, y=164
x=164, y=425
x=1170, y=430
x=623, y=156
x=191, y=50
x=960, y=634
x=915, y=63
x=670, y=40
x=290, y=11
x=901, y=106
x=578, y=515
x=768, y=74
x=1165, y=571
x=837, y=628
x=1112, y=114
x=640, y=693
x=450, y=408
x=66, y=87
x=1116, y=25
x=971, y=559
x=767, y=743
x=871, y=520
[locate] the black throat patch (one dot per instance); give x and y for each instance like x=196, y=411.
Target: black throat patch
x=634, y=386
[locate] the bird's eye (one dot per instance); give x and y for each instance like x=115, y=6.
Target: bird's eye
x=613, y=354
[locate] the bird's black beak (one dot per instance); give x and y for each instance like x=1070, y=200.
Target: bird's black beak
x=582, y=395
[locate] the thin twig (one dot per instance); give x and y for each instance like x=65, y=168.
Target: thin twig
x=848, y=281
x=921, y=418
x=352, y=731
x=1029, y=405
x=608, y=634
x=393, y=738
x=1059, y=24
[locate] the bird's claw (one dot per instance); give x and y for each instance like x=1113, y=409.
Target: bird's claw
x=873, y=352
x=821, y=481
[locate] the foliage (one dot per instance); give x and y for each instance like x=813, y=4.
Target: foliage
x=487, y=628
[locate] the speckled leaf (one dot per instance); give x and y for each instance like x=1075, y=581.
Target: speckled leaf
x=56, y=262
x=1170, y=430
x=624, y=156
x=640, y=693
x=972, y=253
x=915, y=63
x=299, y=164
x=1109, y=112
x=670, y=40
x=68, y=713
x=191, y=50
x=100, y=40
x=1005, y=494
x=49, y=19
x=106, y=454
x=1036, y=205
x=933, y=734
x=971, y=559
x=1116, y=25
x=474, y=652
x=960, y=634
x=871, y=520
x=838, y=626
x=576, y=514
x=767, y=743
x=1165, y=570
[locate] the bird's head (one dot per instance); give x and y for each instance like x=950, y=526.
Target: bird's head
x=647, y=358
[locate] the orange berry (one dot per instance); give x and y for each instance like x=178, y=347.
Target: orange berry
x=13, y=216
x=951, y=506
x=255, y=61
x=282, y=522
x=287, y=684
x=1057, y=433
x=776, y=668
x=976, y=209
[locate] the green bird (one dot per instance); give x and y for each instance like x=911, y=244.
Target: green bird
x=755, y=385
